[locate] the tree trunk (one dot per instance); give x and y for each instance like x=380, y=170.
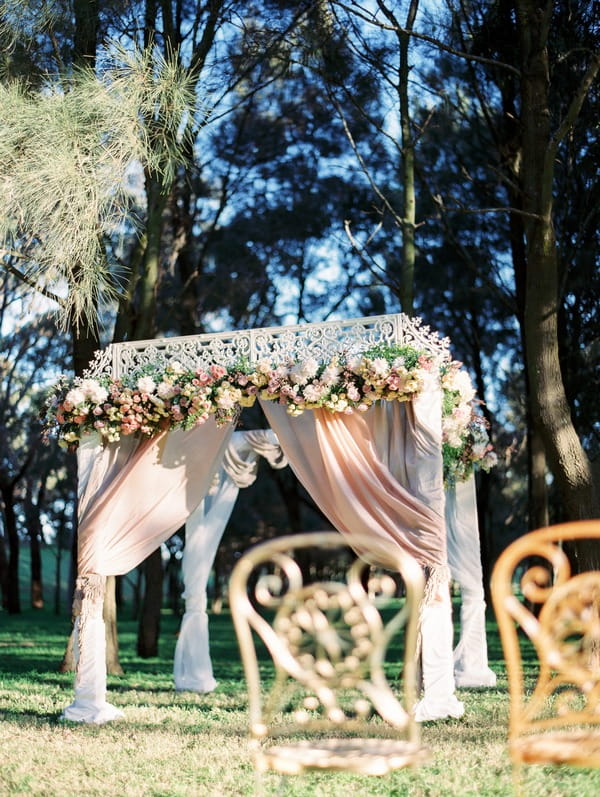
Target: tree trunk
x=85, y=345
x=145, y=317
x=149, y=624
x=538, y=487
x=483, y=479
x=85, y=336
x=549, y=407
x=408, y=170
x=13, y=599
x=37, y=593
x=68, y=662
x=109, y=615
x=33, y=507
x=406, y=222
x=57, y=576
x=86, y=31
x=3, y=574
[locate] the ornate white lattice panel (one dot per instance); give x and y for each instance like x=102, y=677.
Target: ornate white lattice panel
x=278, y=344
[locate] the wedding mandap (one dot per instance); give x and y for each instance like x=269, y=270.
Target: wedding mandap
x=378, y=422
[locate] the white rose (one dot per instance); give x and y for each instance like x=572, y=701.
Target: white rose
x=146, y=384
x=75, y=397
x=226, y=400
x=462, y=383
x=313, y=393
x=94, y=391
x=331, y=375
x=165, y=390
x=302, y=372
x=380, y=366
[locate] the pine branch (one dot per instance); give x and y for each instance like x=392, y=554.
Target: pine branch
x=22, y=277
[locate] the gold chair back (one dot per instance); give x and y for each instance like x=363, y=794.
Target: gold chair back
x=327, y=619
x=535, y=592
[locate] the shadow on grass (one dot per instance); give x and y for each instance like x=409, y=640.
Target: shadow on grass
x=31, y=717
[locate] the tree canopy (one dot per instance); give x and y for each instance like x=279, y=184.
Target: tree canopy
x=177, y=167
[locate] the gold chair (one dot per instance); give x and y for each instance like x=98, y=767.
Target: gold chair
x=318, y=610
x=558, y=721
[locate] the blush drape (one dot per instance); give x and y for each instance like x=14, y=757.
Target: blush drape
x=139, y=493
x=381, y=473
x=378, y=472
x=132, y=496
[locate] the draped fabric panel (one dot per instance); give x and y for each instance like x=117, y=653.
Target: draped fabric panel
x=381, y=472
x=136, y=500
x=133, y=496
x=192, y=667
x=464, y=557
x=354, y=467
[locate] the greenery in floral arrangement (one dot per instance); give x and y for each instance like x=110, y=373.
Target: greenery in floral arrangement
x=408, y=354
x=147, y=401
x=465, y=440
x=344, y=384
x=156, y=397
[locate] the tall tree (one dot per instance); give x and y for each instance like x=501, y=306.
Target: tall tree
x=540, y=144
x=525, y=71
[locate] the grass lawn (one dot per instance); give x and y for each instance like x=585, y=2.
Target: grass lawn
x=183, y=744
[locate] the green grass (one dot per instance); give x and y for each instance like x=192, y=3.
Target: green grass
x=182, y=744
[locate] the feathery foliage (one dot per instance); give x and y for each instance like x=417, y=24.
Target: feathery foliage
x=67, y=156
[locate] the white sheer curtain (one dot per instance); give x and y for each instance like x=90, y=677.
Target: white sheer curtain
x=192, y=668
x=464, y=557
x=133, y=496
x=381, y=472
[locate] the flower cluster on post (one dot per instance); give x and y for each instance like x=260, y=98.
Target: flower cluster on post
x=465, y=440
x=159, y=398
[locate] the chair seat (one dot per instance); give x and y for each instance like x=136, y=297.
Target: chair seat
x=577, y=747
x=364, y=756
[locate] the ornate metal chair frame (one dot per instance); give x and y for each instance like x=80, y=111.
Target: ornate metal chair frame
x=559, y=721
x=330, y=704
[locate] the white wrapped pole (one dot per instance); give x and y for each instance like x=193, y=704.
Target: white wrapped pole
x=192, y=666
x=89, y=650
x=426, y=480
x=464, y=557
x=439, y=700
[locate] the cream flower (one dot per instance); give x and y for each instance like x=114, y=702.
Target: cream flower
x=165, y=390
x=302, y=372
x=94, y=391
x=146, y=384
x=75, y=397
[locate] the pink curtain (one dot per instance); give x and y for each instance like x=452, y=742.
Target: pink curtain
x=139, y=493
x=378, y=471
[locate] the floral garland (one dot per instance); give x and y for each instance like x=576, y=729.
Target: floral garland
x=154, y=399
